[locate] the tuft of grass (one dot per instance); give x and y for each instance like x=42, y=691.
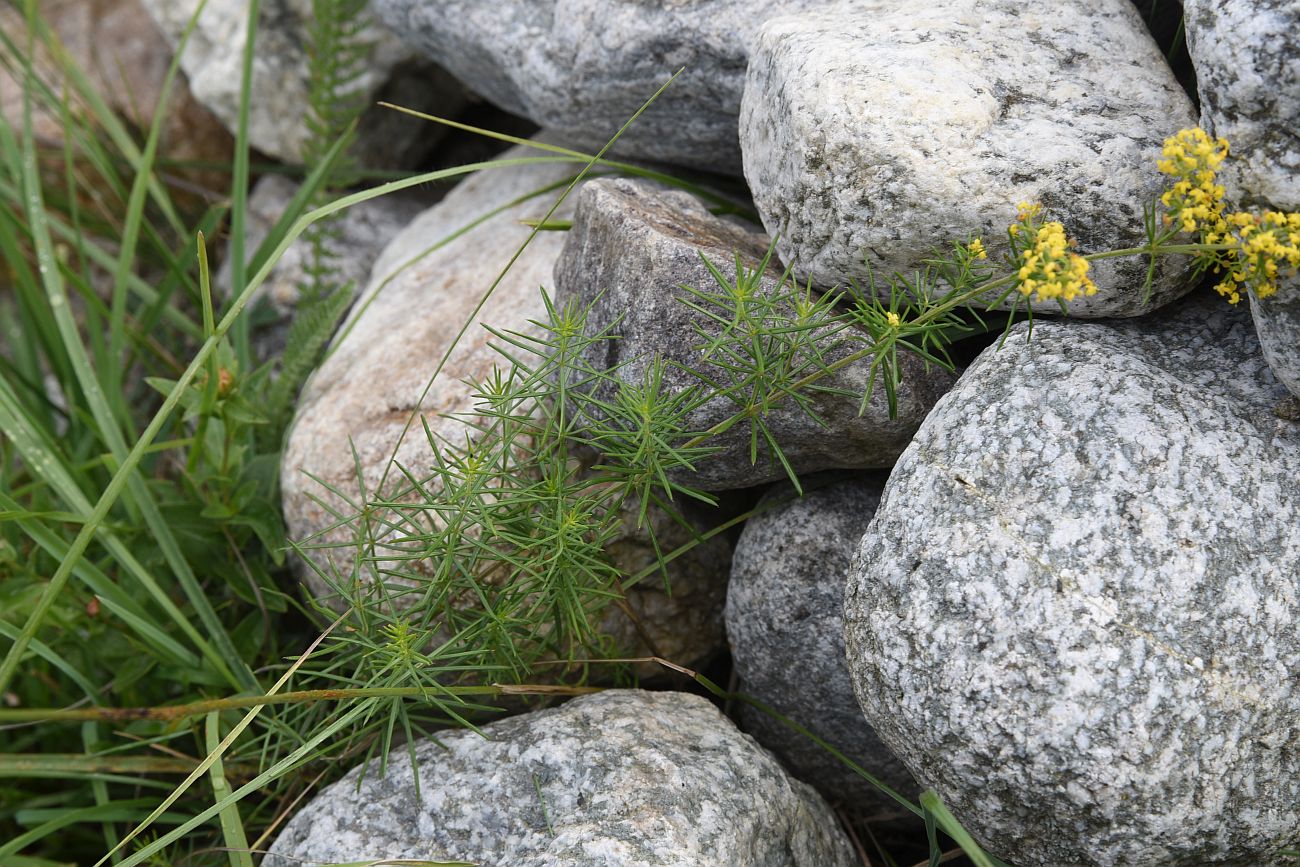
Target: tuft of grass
x=171, y=588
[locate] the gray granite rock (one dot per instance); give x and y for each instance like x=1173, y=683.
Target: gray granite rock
x=1248, y=75
x=621, y=779
x=785, y=619
x=1074, y=612
x=632, y=249
x=213, y=63
x=364, y=393
x=356, y=238
x=585, y=66
x=1277, y=323
x=888, y=131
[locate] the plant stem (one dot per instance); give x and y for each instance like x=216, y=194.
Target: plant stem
x=172, y=713
x=47, y=765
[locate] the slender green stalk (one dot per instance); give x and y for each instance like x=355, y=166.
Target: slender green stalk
x=232, y=827
x=948, y=822
x=239, y=180
x=45, y=765
x=704, y=192
x=174, y=713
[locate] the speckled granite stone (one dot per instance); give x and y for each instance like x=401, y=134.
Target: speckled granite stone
x=213, y=63
x=632, y=247
x=586, y=66
x=365, y=392
x=1247, y=61
x=1277, y=322
x=784, y=623
x=620, y=779
x=890, y=131
x=1075, y=612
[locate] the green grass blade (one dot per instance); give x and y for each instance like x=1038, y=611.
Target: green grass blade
x=436, y=245
x=134, y=217
x=103, y=114
x=44, y=651
x=113, y=811
x=105, y=260
x=239, y=183
x=302, y=198
x=44, y=459
x=302, y=753
x=232, y=827
x=948, y=822
x=90, y=735
x=726, y=206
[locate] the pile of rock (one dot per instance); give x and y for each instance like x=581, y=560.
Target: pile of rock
x=1070, y=607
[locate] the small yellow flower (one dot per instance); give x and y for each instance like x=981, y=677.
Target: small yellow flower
x=893, y=319
x=977, y=250
x=1049, y=269
x=1027, y=211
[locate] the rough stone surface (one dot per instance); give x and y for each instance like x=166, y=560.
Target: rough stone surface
x=357, y=238
x=213, y=61
x=888, y=132
x=1074, y=612
x=585, y=66
x=621, y=779
x=125, y=59
x=1248, y=75
x=632, y=247
x=363, y=394
x=1277, y=322
x=785, y=625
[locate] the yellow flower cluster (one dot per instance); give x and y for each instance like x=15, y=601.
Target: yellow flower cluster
x=1259, y=250
x=1195, y=201
x=1266, y=248
x=1049, y=269
x=976, y=249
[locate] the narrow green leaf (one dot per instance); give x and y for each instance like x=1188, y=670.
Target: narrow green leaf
x=239, y=182
x=948, y=822
x=232, y=827
x=117, y=811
